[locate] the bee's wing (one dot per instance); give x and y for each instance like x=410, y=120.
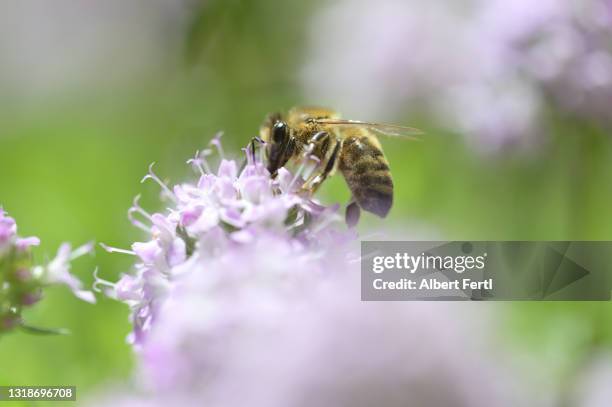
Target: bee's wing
x=379, y=128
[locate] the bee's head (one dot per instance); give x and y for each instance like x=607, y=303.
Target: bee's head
x=275, y=133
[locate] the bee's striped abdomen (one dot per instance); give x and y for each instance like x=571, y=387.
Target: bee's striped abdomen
x=367, y=174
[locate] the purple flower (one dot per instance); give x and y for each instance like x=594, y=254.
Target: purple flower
x=487, y=68
x=8, y=229
x=263, y=295
x=216, y=300
x=220, y=215
x=327, y=348
x=58, y=271
x=22, y=283
x=148, y=252
x=289, y=330
x=593, y=383
x=26, y=243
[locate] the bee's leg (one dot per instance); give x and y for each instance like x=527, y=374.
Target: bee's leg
x=315, y=180
x=319, y=137
x=251, y=150
x=352, y=214
x=319, y=140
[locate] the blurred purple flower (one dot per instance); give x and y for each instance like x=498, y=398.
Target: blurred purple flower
x=8, y=229
x=330, y=349
x=22, y=283
x=594, y=383
x=26, y=243
x=246, y=288
x=293, y=332
x=487, y=68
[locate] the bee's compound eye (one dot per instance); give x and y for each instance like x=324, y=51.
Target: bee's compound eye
x=279, y=132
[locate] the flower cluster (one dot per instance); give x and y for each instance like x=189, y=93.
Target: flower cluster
x=244, y=281
x=268, y=334
x=488, y=68
x=220, y=219
x=22, y=282
x=563, y=47
x=335, y=350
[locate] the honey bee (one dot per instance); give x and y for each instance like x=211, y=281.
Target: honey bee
x=347, y=145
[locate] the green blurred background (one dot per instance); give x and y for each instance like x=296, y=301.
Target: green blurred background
x=72, y=156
